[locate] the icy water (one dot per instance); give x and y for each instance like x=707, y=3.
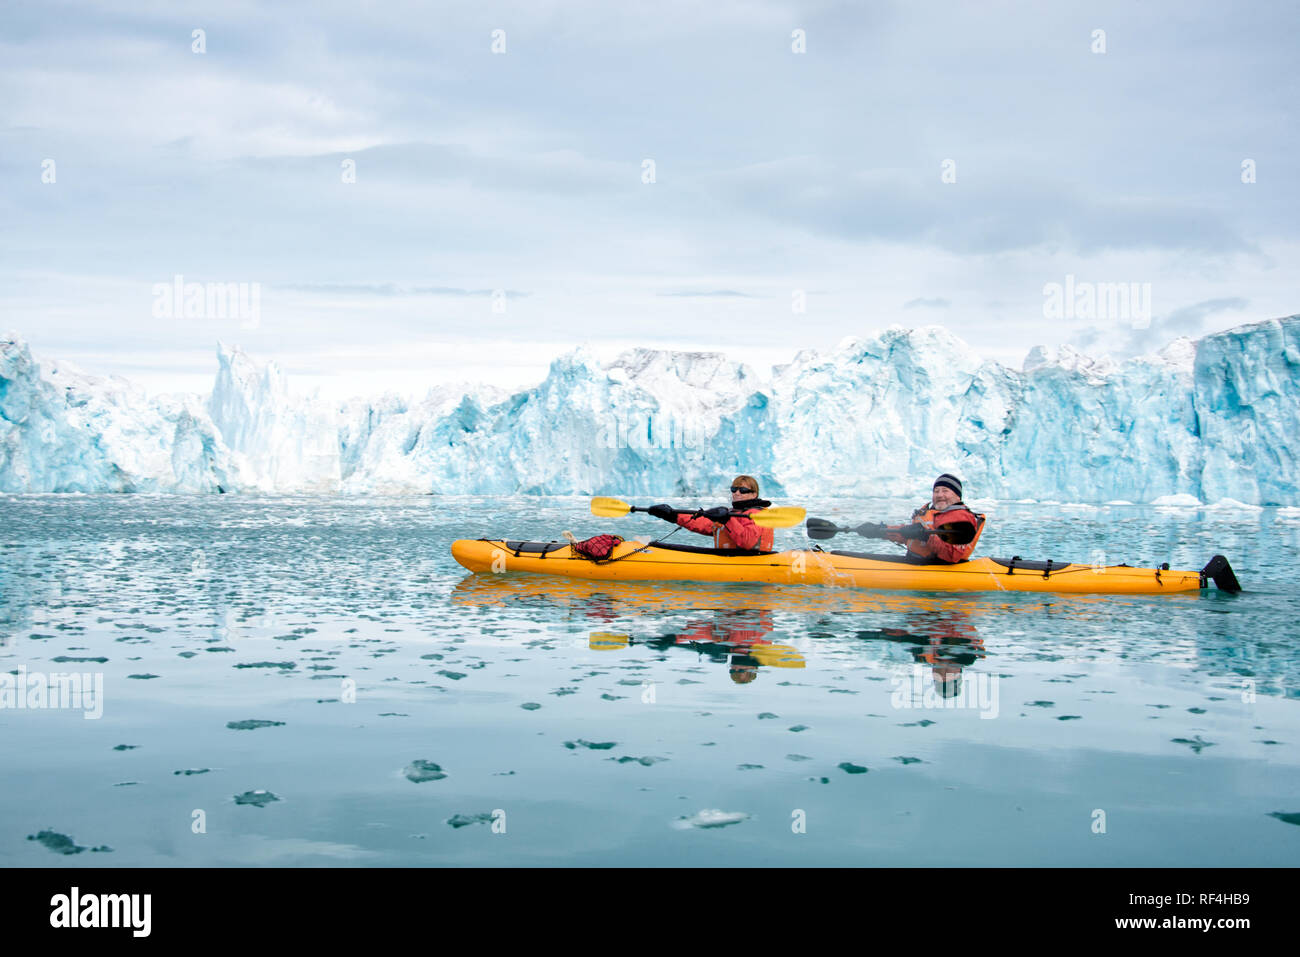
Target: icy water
x=296, y=681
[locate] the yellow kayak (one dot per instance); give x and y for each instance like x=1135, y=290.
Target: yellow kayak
x=655, y=561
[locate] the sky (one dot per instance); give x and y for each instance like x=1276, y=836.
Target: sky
x=820, y=170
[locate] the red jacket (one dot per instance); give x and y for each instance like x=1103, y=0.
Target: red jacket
x=736, y=532
x=747, y=630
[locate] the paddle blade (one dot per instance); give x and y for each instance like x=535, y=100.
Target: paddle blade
x=777, y=656
x=782, y=517
x=607, y=641
x=820, y=528
x=609, y=507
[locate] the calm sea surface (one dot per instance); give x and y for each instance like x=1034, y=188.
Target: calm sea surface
x=303, y=681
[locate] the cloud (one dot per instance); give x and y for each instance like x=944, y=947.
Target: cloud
x=995, y=213
x=1123, y=340
x=775, y=171
x=709, y=294
x=389, y=289
x=1189, y=320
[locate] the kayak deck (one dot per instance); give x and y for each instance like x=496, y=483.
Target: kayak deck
x=655, y=561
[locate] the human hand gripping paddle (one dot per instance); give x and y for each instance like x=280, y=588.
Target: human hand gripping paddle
x=773, y=517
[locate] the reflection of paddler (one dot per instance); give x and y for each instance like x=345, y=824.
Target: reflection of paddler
x=601, y=609
x=737, y=628
x=734, y=638
x=744, y=669
x=743, y=635
x=946, y=642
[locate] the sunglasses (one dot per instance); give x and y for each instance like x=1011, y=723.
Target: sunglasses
x=740, y=488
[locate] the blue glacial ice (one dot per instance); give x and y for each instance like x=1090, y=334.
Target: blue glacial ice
x=1202, y=420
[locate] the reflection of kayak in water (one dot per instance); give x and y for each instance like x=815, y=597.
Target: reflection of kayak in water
x=604, y=601
x=632, y=561
x=607, y=600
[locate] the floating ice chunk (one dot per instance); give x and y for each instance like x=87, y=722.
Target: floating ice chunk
x=1232, y=505
x=710, y=818
x=420, y=770
x=258, y=798
x=1180, y=500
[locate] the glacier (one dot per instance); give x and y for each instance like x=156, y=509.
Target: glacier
x=1205, y=420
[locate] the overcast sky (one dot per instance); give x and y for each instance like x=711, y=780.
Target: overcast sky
x=524, y=171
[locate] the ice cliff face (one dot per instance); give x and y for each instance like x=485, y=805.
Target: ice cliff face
x=283, y=443
x=64, y=431
x=1212, y=418
x=1246, y=413
x=878, y=415
x=620, y=427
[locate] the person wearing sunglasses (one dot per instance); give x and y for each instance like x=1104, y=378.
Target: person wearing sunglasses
x=730, y=525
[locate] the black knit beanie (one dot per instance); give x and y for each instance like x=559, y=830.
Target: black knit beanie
x=949, y=481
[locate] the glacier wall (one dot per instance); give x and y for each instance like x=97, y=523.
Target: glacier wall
x=64, y=431
x=1213, y=418
x=283, y=443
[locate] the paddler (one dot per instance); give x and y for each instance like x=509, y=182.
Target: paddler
x=945, y=514
x=729, y=530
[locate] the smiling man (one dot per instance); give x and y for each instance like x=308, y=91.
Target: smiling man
x=944, y=529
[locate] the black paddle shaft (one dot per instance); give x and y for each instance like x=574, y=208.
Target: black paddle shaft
x=679, y=511
x=820, y=528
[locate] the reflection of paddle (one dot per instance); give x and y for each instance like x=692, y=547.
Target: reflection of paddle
x=775, y=656
x=771, y=656
x=778, y=517
x=607, y=641
x=820, y=528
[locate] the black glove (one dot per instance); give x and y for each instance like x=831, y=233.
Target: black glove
x=916, y=532
x=872, y=530
x=719, y=514
x=666, y=512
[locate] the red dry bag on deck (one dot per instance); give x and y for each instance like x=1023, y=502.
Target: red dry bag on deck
x=598, y=547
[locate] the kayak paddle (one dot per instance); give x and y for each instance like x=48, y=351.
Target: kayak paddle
x=779, y=517
x=821, y=528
